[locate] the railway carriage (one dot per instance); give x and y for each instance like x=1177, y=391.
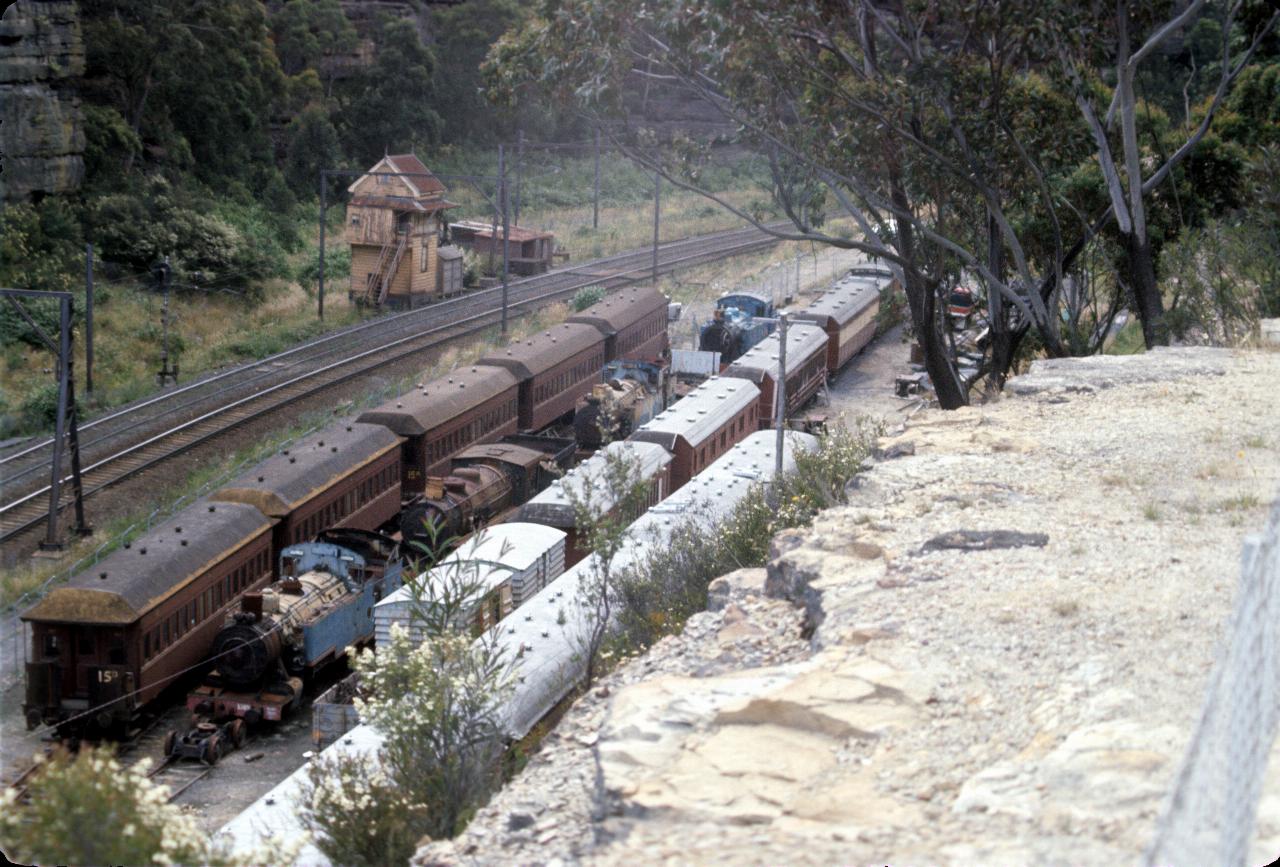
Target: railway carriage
x=105, y=644
x=847, y=314
x=345, y=475
x=554, y=368
x=806, y=369
x=703, y=425
x=445, y=416
x=588, y=486
x=633, y=322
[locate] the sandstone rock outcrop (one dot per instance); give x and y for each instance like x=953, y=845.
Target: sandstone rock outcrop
x=41, y=131
x=945, y=704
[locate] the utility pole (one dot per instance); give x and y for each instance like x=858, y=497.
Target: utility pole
x=88, y=320
x=324, y=178
x=497, y=204
x=780, y=420
x=657, y=211
x=515, y=220
x=66, y=411
x=506, y=235
x=595, y=212
x=167, y=372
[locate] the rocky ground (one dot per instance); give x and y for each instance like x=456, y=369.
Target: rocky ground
x=1023, y=697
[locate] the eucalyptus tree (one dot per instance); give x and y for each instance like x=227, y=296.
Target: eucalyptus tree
x=947, y=131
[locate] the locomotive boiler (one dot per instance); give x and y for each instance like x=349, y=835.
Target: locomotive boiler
x=486, y=481
x=633, y=392
x=306, y=619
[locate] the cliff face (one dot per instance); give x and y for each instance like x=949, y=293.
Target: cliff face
x=1012, y=624
x=41, y=132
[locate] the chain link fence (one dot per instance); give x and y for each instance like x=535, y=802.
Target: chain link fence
x=1210, y=815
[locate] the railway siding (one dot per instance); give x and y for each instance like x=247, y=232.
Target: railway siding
x=125, y=441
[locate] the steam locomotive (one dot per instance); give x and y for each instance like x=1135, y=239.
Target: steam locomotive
x=283, y=634
x=736, y=326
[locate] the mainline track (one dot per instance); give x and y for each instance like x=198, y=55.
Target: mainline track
x=210, y=407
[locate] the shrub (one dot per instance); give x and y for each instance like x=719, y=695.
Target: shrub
x=658, y=595
x=585, y=297
x=358, y=815
x=437, y=704
x=39, y=410
x=88, y=809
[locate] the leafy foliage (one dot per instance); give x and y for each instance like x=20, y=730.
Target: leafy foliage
x=585, y=297
x=656, y=597
x=86, y=808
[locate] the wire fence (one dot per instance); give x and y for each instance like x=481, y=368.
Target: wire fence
x=1210, y=815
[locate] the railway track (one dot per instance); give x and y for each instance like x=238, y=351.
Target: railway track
x=120, y=445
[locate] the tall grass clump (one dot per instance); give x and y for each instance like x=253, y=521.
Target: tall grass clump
x=658, y=595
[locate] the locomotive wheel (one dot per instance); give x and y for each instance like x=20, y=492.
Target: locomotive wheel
x=169, y=740
x=236, y=730
x=212, y=750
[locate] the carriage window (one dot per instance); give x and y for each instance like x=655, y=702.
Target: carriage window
x=51, y=645
x=166, y=633
x=84, y=644
x=226, y=582
x=217, y=595
x=116, y=654
x=146, y=646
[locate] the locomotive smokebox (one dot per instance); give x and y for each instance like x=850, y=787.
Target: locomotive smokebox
x=244, y=652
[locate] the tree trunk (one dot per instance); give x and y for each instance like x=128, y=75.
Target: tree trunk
x=1146, y=294
x=922, y=300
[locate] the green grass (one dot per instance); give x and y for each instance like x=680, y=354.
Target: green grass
x=1129, y=341
x=108, y=536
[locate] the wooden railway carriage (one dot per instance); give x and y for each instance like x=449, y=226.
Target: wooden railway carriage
x=587, y=485
x=633, y=322
x=346, y=475
x=444, y=417
x=806, y=369
x=554, y=368
x=847, y=314
x=703, y=425
x=106, y=643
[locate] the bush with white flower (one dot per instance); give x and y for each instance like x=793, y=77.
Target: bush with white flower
x=437, y=703
x=88, y=809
